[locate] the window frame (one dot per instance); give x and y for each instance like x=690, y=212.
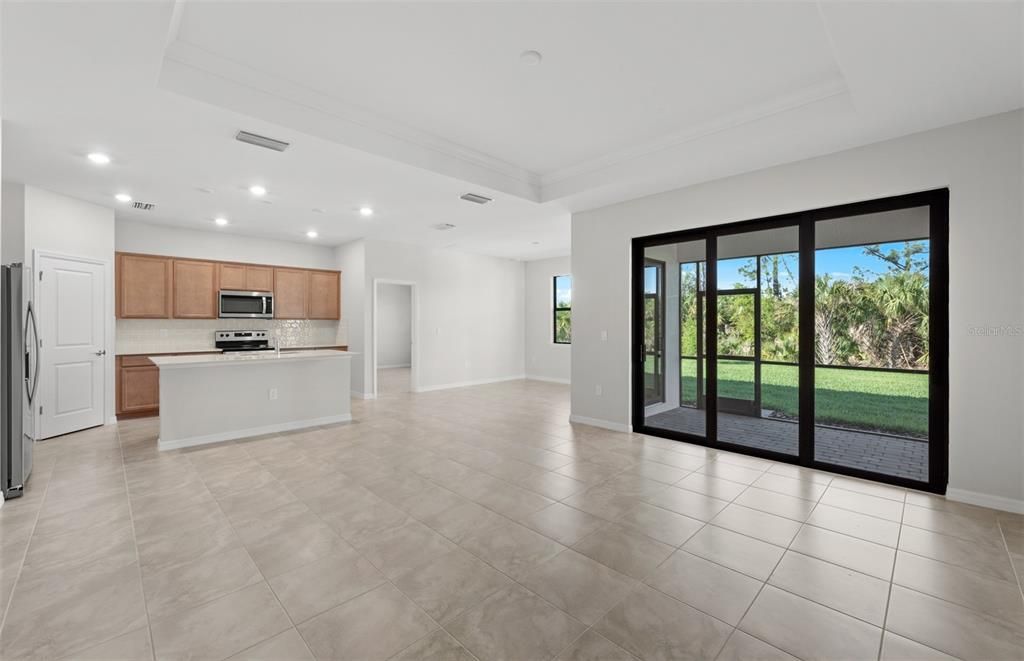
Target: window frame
x=555, y=309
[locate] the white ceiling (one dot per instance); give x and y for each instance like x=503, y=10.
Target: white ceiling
x=407, y=106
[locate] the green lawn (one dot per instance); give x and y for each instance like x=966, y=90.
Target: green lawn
x=891, y=402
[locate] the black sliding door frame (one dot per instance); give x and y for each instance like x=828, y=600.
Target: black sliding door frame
x=937, y=202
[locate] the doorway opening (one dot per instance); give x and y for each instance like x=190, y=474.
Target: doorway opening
x=817, y=338
x=394, y=339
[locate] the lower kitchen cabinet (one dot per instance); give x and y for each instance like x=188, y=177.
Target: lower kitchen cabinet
x=138, y=386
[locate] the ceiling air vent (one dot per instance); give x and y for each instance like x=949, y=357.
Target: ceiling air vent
x=143, y=206
x=474, y=198
x=444, y=227
x=261, y=141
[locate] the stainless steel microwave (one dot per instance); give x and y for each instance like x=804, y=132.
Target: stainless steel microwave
x=236, y=304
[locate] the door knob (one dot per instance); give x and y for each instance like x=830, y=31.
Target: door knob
x=101, y=352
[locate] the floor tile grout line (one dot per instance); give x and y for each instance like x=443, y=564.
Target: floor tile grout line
x=765, y=583
x=1013, y=566
x=643, y=581
x=386, y=578
x=390, y=582
x=28, y=544
x=247, y=552
x=135, y=545
x=497, y=569
x=892, y=579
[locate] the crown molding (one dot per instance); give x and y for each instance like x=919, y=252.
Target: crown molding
x=195, y=72
x=809, y=95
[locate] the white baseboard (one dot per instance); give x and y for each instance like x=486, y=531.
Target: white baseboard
x=466, y=384
x=391, y=367
x=252, y=431
x=986, y=500
x=363, y=395
x=603, y=424
x=548, y=379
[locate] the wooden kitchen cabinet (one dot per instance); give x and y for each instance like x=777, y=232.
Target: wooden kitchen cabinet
x=231, y=276
x=259, y=278
x=324, y=295
x=291, y=293
x=245, y=277
x=195, y=289
x=138, y=386
x=143, y=286
x=157, y=287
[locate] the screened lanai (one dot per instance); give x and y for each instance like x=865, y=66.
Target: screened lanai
x=871, y=280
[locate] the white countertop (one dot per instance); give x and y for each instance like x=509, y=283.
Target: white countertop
x=202, y=348
x=246, y=357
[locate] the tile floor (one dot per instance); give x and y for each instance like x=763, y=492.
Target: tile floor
x=394, y=380
x=478, y=524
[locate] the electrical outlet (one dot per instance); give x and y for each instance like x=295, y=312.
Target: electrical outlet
x=273, y=393
x=604, y=336
x=597, y=390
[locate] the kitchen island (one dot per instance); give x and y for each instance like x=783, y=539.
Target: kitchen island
x=209, y=398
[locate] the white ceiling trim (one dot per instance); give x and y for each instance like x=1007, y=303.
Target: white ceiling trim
x=195, y=72
x=782, y=104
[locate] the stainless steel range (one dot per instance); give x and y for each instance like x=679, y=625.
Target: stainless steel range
x=242, y=340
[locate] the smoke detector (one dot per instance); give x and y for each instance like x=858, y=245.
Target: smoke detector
x=261, y=141
x=474, y=198
x=143, y=206
x=444, y=227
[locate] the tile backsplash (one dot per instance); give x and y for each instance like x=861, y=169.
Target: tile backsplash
x=138, y=336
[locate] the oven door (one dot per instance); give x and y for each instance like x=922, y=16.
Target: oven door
x=246, y=305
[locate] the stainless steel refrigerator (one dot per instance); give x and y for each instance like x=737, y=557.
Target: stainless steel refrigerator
x=19, y=368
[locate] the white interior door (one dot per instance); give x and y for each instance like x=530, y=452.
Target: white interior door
x=72, y=355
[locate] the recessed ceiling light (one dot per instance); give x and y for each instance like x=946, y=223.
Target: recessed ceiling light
x=535, y=243
x=220, y=220
x=312, y=234
x=530, y=57
x=365, y=211
x=257, y=190
x=123, y=197
x=99, y=158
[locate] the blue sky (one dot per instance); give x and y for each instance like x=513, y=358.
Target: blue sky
x=563, y=289
x=840, y=263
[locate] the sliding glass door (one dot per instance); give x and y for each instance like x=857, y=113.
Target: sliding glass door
x=757, y=369
x=872, y=284
x=816, y=338
x=673, y=338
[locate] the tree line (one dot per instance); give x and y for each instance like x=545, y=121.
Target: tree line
x=870, y=318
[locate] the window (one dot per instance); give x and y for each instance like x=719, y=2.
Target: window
x=563, y=309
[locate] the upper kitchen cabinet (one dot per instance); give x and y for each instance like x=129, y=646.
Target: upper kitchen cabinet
x=324, y=295
x=143, y=286
x=195, y=289
x=246, y=277
x=291, y=293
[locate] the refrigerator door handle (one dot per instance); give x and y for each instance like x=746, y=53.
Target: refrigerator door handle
x=30, y=318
